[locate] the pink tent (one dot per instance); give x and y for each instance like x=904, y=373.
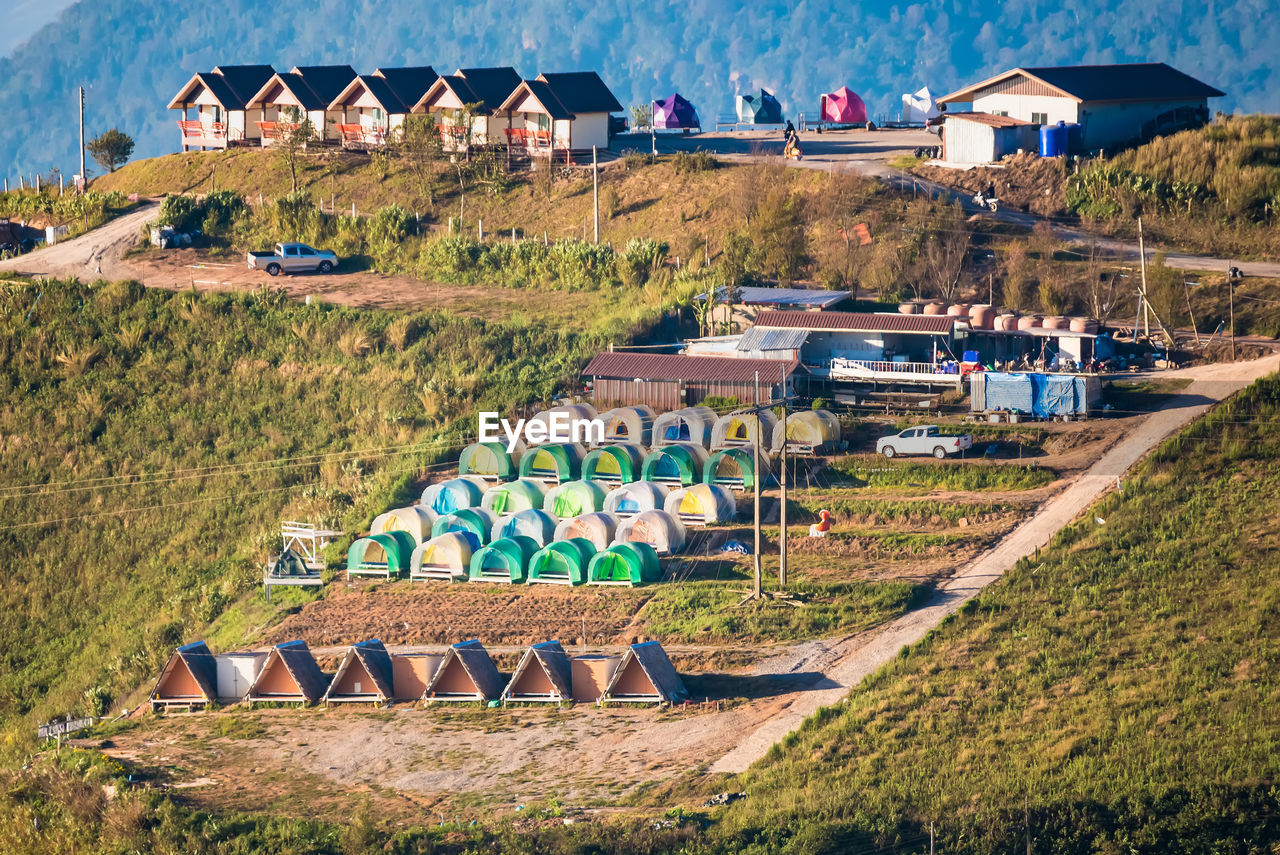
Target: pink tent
x=844, y=107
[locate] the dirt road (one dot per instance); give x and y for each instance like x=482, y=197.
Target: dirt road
x=849, y=661
x=97, y=254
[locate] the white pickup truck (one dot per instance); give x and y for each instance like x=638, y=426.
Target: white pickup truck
x=923, y=439
x=293, y=258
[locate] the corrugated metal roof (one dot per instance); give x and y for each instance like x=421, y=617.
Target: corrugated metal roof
x=857, y=322
x=758, y=338
x=787, y=296
x=987, y=119
x=662, y=366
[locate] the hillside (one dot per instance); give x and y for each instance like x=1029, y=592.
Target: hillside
x=1117, y=693
x=121, y=397
x=132, y=58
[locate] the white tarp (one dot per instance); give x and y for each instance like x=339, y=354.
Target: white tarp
x=917, y=107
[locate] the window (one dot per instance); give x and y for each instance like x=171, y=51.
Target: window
x=1039, y=118
x=306, y=250
x=544, y=122
x=999, y=112
x=291, y=250
x=377, y=114
x=217, y=114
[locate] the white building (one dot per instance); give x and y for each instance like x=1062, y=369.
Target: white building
x=1114, y=104
x=985, y=137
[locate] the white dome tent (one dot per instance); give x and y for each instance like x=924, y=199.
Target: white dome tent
x=918, y=107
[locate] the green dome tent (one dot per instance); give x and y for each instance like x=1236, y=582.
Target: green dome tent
x=759, y=108
x=574, y=498
x=562, y=563
x=625, y=564
x=504, y=560
x=519, y=495
x=613, y=464
x=679, y=464
x=553, y=463
x=488, y=460
x=538, y=525
x=475, y=520
x=385, y=554
x=733, y=469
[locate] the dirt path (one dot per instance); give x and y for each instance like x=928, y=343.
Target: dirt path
x=855, y=658
x=95, y=254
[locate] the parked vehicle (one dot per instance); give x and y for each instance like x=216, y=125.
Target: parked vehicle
x=924, y=439
x=293, y=258
x=984, y=201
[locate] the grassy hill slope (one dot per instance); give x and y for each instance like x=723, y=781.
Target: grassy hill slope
x=1119, y=693
x=177, y=431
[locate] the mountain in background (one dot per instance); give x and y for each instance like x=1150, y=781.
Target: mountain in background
x=133, y=55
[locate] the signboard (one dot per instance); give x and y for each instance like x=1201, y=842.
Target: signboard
x=51, y=729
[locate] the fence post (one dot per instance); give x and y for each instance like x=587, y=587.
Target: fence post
x=480, y=229
x=37, y=182
x=22, y=180
x=513, y=234
x=353, y=210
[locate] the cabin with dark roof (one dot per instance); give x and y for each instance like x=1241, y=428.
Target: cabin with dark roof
x=306, y=88
x=1114, y=105
x=373, y=106
x=213, y=105
x=485, y=88
x=560, y=112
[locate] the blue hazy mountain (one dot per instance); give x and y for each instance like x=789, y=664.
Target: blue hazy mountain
x=132, y=56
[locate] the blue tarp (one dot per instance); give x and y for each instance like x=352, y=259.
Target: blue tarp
x=1008, y=392
x=1042, y=395
x=1055, y=395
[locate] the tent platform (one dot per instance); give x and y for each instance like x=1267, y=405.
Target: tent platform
x=311, y=580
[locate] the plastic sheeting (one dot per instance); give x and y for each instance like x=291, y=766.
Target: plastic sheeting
x=597, y=527
x=452, y=495
x=702, y=504
x=664, y=532
x=634, y=498
x=520, y=495
x=537, y=525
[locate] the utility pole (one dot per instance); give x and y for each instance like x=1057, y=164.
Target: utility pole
x=1026, y=821
x=782, y=511
x=83, y=182
x=595, y=192
x=1142, y=258
x=756, y=556
x=1231, y=309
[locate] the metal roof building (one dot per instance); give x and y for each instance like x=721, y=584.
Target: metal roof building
x=669, y=382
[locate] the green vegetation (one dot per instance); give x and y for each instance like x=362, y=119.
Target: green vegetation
x=80, y=213
x=179, y=429
x=1118, y=692
x=924, y=477
x=846, y=509
x=1214, y=188
x=712, y=611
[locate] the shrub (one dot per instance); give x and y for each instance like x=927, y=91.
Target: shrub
x=693, y=161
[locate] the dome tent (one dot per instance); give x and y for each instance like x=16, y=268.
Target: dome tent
x=919, y=107
x=415, y=520
x=477, y=521
x=385, y=554
x=553, y=463
x=843, y=107
x=636, y=497
x=537, y=525
x=446, y=557
x=573, y=498
x=689, y=424
x=597, y=527
x=701, y=504
x=452, y=495
x=680, y=465
x=629, y=424
x=732, y=468
x=659, y=529
x=624, y=564
x=504, y=560
x=519, y=495
x=760, y=108
x=674, y=113
x=736, y=429
x=563, y=562
x=617, y=464
x=807, y=431
x=489, y=460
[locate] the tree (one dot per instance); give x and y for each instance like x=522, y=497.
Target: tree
x=295, y=132
x=421, y=147
x=641, y=116
x=111, y=148
x=940, y=263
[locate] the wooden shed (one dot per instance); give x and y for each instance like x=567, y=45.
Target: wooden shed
x=669, y=382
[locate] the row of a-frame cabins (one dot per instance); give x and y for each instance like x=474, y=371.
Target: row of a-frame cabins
x=369, y=674
x=251, y=104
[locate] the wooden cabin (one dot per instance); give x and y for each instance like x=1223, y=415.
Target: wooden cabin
x=309, y=88
x=373, y=106
x=560, y=112
x=486, y=87
x=214, y=106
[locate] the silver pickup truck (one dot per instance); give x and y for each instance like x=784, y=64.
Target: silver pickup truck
x=293, y=258
x=923, y=439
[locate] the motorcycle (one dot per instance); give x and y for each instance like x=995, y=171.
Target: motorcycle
x=792, y=150
x=984, y=201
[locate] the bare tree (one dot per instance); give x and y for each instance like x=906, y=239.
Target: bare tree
x=294, y=135
x=942, y=258
x=1099, y=287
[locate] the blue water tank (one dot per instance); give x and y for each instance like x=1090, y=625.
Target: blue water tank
x=1075, y=137
x=1053, y=140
